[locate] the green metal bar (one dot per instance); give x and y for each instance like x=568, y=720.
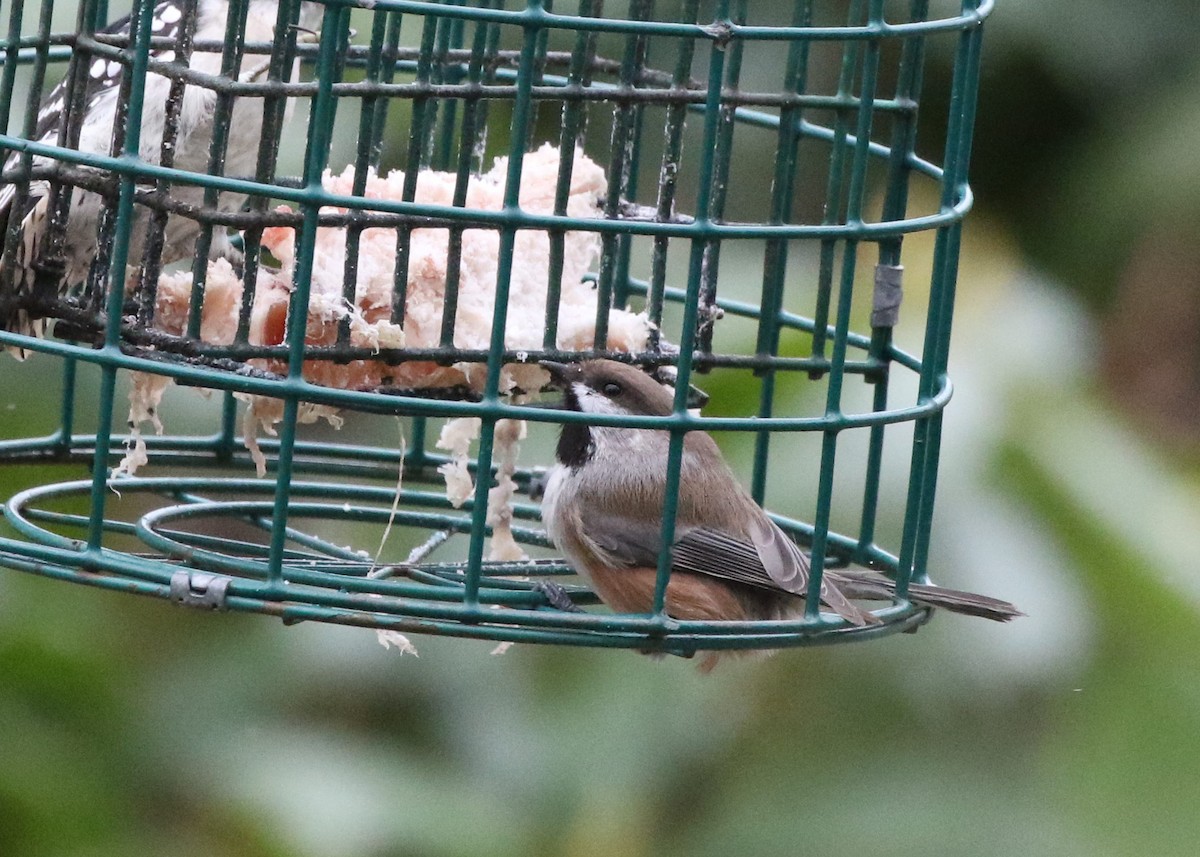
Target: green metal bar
x=904, y=136
x=450, y=36
x=471, y=141
x=152, y=527
x=959, y=135
x=776, y=253
x=835, y=188
x=571, y=132
x=60, y=197
x=387, y=74
x=724, y=157
x=445, y=214
x=146, y=291
x=431, y=618
x=833, y=401
x=371, y=122
x=491, y=71
x=623, y=147
x=335, y=29
x=691, y=312
x=231, y=62
x=282, y=59
x=668, y=178
x=12, y=235
x=21, y=513
x=420, y=126
x=409, y=405
x=927, y=431
x=539, y=73
x=552, y=88
x=66, y=417
x=135, y=80
x=8, y=74
x=508, y=237
x=624, y=26
x=632, y=168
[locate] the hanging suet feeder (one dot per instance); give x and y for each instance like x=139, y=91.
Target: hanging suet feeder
x=717, y=191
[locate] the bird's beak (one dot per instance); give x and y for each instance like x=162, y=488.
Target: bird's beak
x=561, y=374
x=696, y=398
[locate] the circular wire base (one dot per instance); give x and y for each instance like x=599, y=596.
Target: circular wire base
x=205, y=541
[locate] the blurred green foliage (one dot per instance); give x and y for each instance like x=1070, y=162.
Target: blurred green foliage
x=129, y=727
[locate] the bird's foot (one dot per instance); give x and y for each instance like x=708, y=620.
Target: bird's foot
x=556, y=596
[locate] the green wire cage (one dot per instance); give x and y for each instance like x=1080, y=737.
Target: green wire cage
x=733, y=181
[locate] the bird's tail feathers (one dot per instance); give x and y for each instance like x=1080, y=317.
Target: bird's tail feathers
x=833, y=596
x=870, y=586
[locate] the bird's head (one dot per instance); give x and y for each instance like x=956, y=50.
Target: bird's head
x=608, y=387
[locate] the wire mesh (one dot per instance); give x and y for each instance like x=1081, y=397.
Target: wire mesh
x=756, y=162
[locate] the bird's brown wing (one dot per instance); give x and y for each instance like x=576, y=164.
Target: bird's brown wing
x=703, y=550
x=771, y=561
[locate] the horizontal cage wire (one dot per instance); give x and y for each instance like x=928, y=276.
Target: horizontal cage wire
x=382, y=217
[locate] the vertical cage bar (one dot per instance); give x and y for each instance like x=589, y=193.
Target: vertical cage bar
x=491, y=49
x=539, y=76
x=508, y=236
x=134, y=87
x=99, y=14
x=274, y=108
x=571, y=132
x=927, y=432
x=419, y=126
x=231, y=62
x=370, y=136
x=8, y=75
x=776, y=255
x=335, y=34
x=668, y=176
x=833, y=402
x=440, y=145
x=471, y=140
x=24, y=160
x=963, y=137
x=62, y=194
x=146, y=291
x=623, y=149
x=66, y=414
x=834, y=189
x=709, y=312
x=691, y=305
x=895, y=205
x=481, y=70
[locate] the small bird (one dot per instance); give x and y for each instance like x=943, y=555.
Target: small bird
x=603, y=509
x=197, y=112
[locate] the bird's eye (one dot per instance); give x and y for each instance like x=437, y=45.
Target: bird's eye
x=612, y=388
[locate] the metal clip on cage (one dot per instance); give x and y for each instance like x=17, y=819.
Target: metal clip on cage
x=761, y=173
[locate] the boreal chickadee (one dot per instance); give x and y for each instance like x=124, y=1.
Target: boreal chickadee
x=603, y=509
x=189, y=151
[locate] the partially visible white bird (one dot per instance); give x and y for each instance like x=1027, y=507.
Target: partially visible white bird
x=197, y=110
